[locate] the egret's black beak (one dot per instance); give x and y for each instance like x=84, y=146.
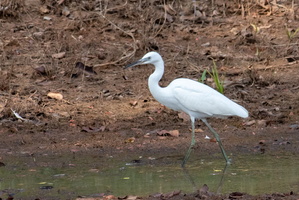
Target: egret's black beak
x=139, y=62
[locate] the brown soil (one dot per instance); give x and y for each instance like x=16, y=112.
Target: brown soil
x=112, y=111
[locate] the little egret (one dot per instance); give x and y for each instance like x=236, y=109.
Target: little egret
x=198, y=100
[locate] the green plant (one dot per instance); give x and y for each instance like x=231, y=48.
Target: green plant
x=203, y=76
x=291, y=33
x=214, y=74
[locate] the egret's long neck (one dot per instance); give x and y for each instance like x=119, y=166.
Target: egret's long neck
x=153, y=80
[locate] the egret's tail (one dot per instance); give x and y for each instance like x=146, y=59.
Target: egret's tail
x=242, y=112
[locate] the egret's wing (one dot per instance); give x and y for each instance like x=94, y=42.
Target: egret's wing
x=200, y=98
x=195, y=101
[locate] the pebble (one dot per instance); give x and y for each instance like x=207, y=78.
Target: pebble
x=47, y=18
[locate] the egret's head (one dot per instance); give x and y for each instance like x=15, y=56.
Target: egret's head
x=149, y=58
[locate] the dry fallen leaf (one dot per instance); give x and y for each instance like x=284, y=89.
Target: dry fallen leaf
x=130, y=140
x=250, y=123
x=85, y=68
x=54, y=95
x=184, y=116
x=41, y=70
x=197, y=130
x=108, y=197
x=173, y=133
x=213, y=140
x=44, y=10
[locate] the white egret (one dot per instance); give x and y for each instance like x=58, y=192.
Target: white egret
x=198, y=100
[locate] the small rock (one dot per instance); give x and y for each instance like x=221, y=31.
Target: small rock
x=47, y=18
x=54, y=95
x=58, y=55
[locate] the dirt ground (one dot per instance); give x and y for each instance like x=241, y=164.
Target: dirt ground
x=110, y=110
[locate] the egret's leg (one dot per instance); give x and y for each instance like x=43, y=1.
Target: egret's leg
x=228, y=161
x=192, y=143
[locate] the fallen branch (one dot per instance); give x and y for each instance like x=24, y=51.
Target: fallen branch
x=165, y=13
x=127, y=56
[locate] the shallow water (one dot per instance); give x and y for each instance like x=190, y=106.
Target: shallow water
x=36, y=177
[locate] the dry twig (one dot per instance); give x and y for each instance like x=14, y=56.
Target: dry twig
x=165, y=13
x=128, y=56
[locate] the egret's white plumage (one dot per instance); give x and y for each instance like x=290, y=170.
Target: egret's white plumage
x=198, y=100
